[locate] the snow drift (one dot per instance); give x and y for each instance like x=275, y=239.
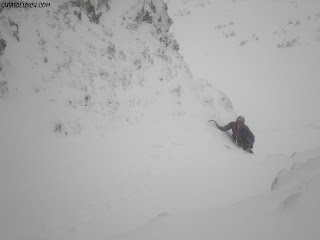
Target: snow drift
x=290, y=211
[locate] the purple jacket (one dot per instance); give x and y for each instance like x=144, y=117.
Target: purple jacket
x=241, y=134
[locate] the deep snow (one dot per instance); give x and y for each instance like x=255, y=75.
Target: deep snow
x=139, y=151
x=291, y=211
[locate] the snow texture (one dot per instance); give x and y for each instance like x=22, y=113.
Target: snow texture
x=104, y=109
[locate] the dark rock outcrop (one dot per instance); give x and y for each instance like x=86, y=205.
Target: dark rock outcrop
x=86, y=6
x=153, y=12
x=3, y=45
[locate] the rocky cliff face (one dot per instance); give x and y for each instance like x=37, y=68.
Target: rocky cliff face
x=154, y=13
x=108, y=59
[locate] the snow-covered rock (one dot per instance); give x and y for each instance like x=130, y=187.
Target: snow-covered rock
x=304, y=171
x=111, y=59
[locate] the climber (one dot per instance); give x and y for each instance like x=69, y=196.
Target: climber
x=241, y=134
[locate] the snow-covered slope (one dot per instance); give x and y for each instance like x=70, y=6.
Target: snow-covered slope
x=122, y=68
x=290, y=211
x=104, y=127
x=264, y=54
x=94, y=110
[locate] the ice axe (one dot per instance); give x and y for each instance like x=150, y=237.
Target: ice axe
x=213, y=121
